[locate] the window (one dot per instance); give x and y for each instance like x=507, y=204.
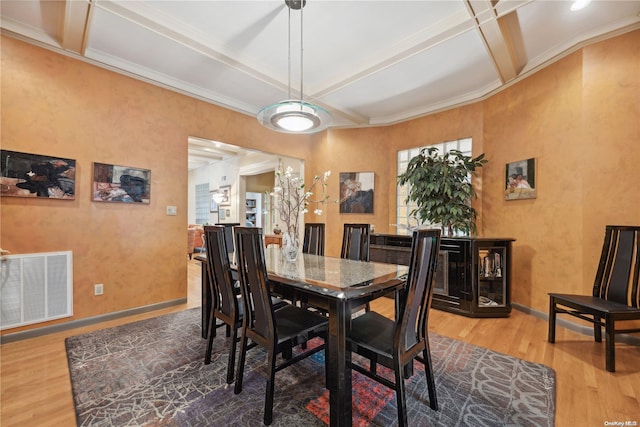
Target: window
x=202, y=203
x=404, y=156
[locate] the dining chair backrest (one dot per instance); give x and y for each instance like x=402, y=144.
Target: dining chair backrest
x=313, y=242
x=619, y=267
x=254, y=284
x=220, y=276
x=223, y=296
x=355, y=242
x=228, y=230
x=415, y=300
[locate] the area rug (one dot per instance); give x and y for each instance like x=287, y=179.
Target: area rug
x=151, y=373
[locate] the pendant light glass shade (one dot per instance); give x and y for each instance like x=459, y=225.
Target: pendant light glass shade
x=295, y=115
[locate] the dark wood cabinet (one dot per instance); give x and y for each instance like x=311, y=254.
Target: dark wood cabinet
x=473, y=276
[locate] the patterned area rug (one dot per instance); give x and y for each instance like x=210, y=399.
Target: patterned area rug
x=151, y=373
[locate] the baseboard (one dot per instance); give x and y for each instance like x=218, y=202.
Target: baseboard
x=45, y=330
x=581, y=329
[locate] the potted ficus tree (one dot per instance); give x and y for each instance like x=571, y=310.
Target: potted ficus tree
x=440, y=185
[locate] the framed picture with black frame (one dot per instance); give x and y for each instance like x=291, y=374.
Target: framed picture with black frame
x=121, y=184
x=520, y=180
x=38, y=176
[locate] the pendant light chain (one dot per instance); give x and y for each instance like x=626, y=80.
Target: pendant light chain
x=295, y=115
x=301, y=49
x=289, y=56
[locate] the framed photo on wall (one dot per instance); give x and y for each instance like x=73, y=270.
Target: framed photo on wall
x=225, y=190
x=38, y=176
x=520, y=180
x=121, y=184
x=356, y=192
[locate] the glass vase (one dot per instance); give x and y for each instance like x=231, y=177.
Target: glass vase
x=290, y=246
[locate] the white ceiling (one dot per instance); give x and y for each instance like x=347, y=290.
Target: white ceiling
x=367, y=62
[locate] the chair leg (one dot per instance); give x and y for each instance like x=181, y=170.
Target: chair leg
x=610, y=345
x=243, y=352
x=551, y=336
x=327, y=358
x=287, y=351
x=232, y=356
x=408, y=370
x=211, y=334
x=597, y=328
x=400, y=394
x=431, y=384
x=268, y=401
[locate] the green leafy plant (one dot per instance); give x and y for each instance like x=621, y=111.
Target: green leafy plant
x=440, y=185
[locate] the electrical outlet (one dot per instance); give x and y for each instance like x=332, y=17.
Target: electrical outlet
x=98, y=289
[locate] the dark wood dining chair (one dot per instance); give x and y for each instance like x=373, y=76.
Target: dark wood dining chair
x=277, y=331
x=225, y=300
x=355, y=245
x=615, y=295
x=395, y=344
x=226, y=304
x=313, y=242
x=355, y=242
x=228, y=238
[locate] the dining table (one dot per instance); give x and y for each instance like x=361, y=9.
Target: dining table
x=338, y=286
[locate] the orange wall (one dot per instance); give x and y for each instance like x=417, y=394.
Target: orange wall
x=55, y=105
x=539, y=117
x=578, y=118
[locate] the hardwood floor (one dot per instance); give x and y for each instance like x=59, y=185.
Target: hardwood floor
x=35, y=387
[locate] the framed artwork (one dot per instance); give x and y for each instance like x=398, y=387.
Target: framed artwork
x=225, y=190
x=213, y=196
x=221, y=215
x=123, y=184
x=356, y=192
x=35, y=175
x=520, y=180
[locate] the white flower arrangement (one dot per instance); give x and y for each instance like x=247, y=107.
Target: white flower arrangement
x=290, y=198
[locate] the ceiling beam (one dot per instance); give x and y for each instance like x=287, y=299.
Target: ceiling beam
x=74, y=25
x=495, y=38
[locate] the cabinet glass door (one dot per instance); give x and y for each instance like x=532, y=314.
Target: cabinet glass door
x=491, y=277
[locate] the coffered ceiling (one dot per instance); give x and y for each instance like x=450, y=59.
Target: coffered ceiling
x=367, y=62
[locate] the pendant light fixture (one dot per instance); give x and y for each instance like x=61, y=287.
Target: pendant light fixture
x=295, y=115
